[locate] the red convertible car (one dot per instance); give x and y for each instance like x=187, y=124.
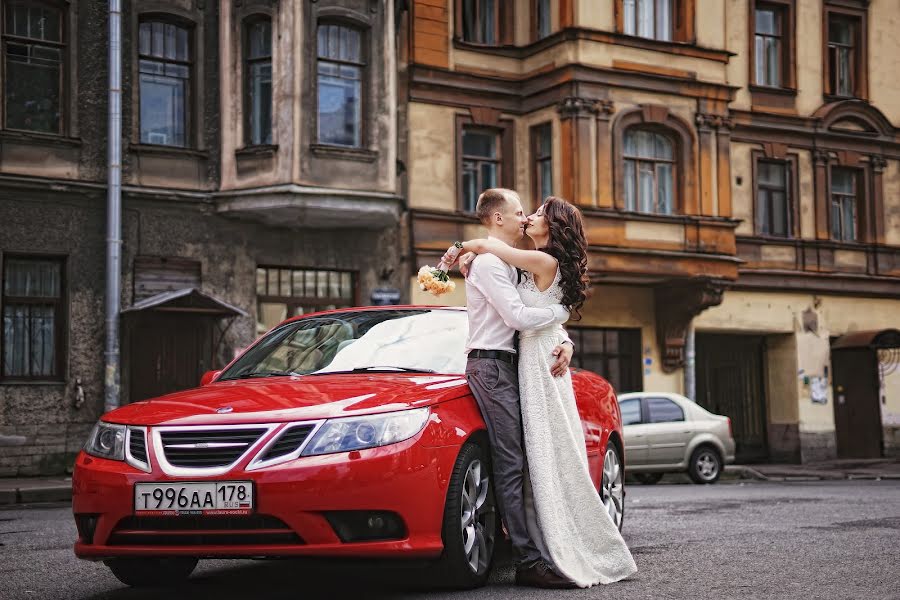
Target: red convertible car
x=348, y=433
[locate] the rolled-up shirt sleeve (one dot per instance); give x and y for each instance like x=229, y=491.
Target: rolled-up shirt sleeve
x=490, y=276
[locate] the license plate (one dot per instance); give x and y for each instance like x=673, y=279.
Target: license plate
x=189, y=498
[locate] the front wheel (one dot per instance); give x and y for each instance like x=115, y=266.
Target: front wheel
x=470, y=521
x=705, y=465
x=612, y=487
x=151, y=572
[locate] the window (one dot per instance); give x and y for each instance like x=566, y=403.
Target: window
x=340, y=72
x=769, y=46
x=258, y=80
x=844, y=189
x=773, y=214
x=33, y=53
x=612, y=353
x=481, y=21
x=649, y=177
x=542, y=20
x=663, y=410
x=542, y=153
x=480, y=164
x=631, y=411
x=33, y=312
x=165, y=80
x=288, y=292
x=648, y=18
x=843, y=54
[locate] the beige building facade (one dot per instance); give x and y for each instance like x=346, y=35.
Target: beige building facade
x=738, y=167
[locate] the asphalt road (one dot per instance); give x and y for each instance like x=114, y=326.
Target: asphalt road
x=752, y=540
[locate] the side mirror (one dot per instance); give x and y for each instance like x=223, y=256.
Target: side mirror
x=209, y=377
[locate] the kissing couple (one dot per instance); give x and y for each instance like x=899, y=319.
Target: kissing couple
x=561, y=534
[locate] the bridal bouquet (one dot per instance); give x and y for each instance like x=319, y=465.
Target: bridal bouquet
x=435, y=279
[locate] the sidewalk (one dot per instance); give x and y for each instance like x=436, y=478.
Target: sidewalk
x=28, y=490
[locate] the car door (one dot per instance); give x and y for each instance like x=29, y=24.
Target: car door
x=668, y=432
x=634, y=431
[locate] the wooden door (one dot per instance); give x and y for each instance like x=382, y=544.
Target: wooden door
x=167, y=353
x=730, y=382
x=857, y=415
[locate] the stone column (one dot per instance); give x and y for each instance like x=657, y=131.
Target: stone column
x=577, y=167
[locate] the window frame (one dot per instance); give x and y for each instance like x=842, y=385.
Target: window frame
x=537, y=159
x=645, y=409
x=64, y=68
x=61, y=316
x=791, y=162
x=246, y=23
x=190, y=100
x=859, y=14
x=577, y=334
x=506, y=150
x=675, y=170
x=639, y=400
x=859, y=199
x=364, y=31
x=503, y=28
x=683, y=17
x=535, y=19
x=292, y=302
x=782, y=97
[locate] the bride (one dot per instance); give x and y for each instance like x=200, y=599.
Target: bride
x=566, y=516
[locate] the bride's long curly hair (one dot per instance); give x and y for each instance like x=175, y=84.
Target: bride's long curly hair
x=568, y=245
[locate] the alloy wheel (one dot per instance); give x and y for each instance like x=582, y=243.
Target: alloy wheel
x=478, y=518
x=707, y=465
x=612, y=490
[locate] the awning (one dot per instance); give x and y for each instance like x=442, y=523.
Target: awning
x=187, y=300
x=874, y=338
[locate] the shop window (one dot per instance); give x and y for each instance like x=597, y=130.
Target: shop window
x=614, y=354
x=283, y=292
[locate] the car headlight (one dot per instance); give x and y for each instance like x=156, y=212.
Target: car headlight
x=357, y=433
x=107, y=441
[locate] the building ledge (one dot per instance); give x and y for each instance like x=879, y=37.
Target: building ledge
x=304, y=207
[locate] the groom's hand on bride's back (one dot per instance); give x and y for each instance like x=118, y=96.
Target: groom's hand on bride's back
x=563, y=354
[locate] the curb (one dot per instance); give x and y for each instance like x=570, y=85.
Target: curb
x=33, y=494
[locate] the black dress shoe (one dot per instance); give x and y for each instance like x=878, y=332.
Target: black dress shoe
x=542, y=575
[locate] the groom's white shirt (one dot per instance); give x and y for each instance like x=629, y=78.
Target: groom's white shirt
x=495, y=309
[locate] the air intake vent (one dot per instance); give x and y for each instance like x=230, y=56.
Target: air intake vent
x=137, y=445
x=207, y=448
x=288, y=441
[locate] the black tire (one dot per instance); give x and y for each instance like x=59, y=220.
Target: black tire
x=705, y=465
x=454, y=568
x=151, y=572
x=648, y=478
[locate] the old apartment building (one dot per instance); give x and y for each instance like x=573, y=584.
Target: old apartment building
x=259, y=182
x=738, y=166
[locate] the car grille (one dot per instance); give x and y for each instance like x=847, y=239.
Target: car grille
x=138, y=445
x=203, y=531
x=207, y=448
x=288, y=441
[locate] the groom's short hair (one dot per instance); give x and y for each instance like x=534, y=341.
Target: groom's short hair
x=491, y=201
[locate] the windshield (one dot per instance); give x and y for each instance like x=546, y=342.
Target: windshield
x=421, y=340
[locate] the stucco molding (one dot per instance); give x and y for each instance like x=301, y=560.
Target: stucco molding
x=677, y=303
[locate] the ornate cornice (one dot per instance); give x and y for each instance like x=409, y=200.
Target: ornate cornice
x=711, y=121
x=677, y=303
x=878, y=163
x=573, y=106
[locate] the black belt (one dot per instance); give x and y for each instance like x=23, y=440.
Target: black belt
x=503, y=355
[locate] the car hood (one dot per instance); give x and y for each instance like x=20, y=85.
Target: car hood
x=280, y=399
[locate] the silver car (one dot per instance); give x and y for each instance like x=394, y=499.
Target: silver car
x=665, y=433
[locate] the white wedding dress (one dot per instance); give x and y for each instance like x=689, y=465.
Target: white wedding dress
x=566, y=517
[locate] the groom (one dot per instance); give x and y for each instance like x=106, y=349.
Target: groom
x=496, y=312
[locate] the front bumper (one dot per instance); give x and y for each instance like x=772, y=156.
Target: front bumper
x=408, y=479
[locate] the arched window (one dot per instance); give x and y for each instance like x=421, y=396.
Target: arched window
x=33, y=54
x=164, y=55
x=258, y=80
x=341, y=70
x=649, y=171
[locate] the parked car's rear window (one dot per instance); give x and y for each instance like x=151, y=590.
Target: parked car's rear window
x=631, y=411
x=411, y=339
x=663, y=410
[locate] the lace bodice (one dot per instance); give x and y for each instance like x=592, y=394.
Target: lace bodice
x=532, y=296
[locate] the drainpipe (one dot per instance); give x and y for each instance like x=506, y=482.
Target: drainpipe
x=690, y=364
x=113, y=208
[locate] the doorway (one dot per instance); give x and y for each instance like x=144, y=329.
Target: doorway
x=730, y=382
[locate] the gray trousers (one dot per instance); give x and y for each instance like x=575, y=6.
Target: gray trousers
x=495, y=385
